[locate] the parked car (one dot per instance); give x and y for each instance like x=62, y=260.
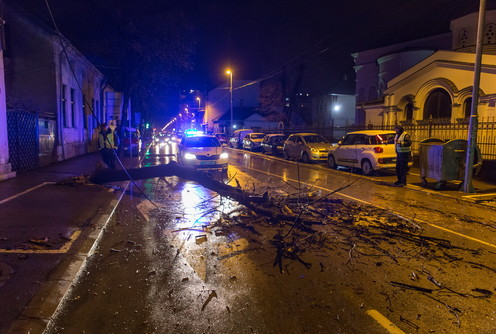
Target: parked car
x=273, y=143
x=202, y=152
x=252, y=141
x=236, y=140
x=130, y=142
x=222, y=137
x=307, y=147
x=369, y=150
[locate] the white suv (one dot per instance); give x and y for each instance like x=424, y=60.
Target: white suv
x=202, y=152
x=368, y=150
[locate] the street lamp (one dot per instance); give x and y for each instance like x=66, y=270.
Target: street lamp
x=231, y=94
x=199, y=101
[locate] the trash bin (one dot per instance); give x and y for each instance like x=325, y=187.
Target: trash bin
x=445, y=160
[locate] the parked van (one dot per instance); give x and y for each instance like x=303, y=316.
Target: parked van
x=236, y=140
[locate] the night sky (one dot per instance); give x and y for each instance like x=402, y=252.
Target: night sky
x=259, y=38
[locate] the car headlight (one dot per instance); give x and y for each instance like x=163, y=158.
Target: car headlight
x=189, y=156
x=313, y=149
x=224, y=155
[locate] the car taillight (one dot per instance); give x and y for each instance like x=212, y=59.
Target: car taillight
x=378, y=149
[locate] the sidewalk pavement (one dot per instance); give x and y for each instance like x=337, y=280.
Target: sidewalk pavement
x=47, y=230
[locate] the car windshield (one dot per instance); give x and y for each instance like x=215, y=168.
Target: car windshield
x=386, y=138
x=257, y=135
x=315, y=139
x=201, y=142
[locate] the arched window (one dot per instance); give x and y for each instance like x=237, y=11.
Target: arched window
x=409, y=112
x=438, y=105
x=467, y=106
x=490, y=34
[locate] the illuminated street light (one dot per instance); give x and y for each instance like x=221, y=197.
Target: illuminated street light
x=231, y=94
x=199, y=101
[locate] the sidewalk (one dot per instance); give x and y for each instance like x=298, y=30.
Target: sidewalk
x=47, y=231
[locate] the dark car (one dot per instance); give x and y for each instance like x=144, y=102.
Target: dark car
x=273, y=144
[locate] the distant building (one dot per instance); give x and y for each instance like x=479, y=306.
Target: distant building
x=245, y=95
x=429, y=79
x=54, y=96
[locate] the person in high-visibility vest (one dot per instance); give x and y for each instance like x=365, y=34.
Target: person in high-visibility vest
x=106, y=145
x=403, y=145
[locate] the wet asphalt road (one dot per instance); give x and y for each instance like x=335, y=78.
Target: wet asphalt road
x=186, y=263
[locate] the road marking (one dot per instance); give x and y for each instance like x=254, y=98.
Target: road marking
x=375, y=205
x=385, y=322
x=24, y=192
x=479, y=195
x=64, y=249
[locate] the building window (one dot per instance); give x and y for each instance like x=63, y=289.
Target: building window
x=73, y=107
x=92, y=116
x=438, y=105
x=467, y=107
x=85, y=113
x=490, y=34
x=63, y=105
x=409, y=112
x=463, y=38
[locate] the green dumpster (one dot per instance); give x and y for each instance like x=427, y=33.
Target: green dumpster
x=444, y=160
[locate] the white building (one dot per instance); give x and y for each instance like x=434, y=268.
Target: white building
x=427, y=79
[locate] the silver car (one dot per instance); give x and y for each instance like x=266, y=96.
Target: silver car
x=307, y=147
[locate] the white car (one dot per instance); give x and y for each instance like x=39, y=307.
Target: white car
x=368, y=150
x=202, y=152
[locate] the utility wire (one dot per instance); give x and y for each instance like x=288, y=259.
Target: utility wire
x=85, y=101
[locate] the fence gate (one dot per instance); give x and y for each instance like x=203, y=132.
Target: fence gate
x=22, y=129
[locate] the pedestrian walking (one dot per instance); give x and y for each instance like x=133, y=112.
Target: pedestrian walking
x=106, y=145
x=403, y=143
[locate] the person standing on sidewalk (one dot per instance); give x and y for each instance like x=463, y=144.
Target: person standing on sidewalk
x=106, y=145
x=403, y=143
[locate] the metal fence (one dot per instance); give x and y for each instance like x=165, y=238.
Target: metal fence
x=22, y=129
x=419, y=130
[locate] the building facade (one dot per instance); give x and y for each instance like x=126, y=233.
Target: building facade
x=55, y=98
x=427, y=80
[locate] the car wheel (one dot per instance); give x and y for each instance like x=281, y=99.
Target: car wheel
x=285, y=154
x=367, y=167
x=305, y=158
x=331, y=162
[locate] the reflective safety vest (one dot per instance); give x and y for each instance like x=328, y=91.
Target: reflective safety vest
x=403, y=143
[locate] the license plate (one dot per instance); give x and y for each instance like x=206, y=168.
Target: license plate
x=204, y=163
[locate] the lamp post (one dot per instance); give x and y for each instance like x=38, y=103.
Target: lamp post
x=231, y=99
